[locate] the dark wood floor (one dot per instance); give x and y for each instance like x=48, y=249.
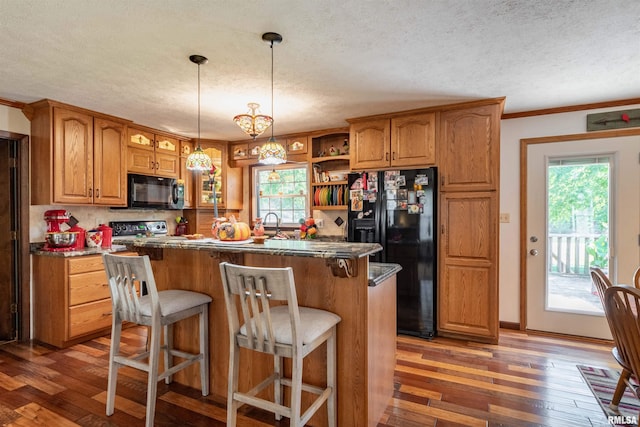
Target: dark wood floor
x=524, y=381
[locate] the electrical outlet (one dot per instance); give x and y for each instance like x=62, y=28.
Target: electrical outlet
x=320, y=223
x=505, y=217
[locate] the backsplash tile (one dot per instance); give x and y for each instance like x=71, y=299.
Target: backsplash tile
x=91, y=216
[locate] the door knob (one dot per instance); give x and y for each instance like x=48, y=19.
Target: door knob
x=533, y=252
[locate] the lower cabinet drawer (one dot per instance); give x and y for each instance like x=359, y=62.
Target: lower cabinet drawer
x=87, y=287
x=89, y=318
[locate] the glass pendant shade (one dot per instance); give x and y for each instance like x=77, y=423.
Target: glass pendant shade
x=272, y=153
x=273, y=176
x=251, y=123
x=199, y=160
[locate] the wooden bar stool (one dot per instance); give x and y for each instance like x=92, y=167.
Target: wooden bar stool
x=282, y=330
x=158, y=310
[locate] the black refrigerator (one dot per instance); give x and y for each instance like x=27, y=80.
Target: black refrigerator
x=397, y=209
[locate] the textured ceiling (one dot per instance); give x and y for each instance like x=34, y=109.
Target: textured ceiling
x=339, y=59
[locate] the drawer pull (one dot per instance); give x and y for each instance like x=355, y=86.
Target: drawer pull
x=106, y=314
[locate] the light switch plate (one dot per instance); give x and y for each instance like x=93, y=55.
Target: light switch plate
x=505, y=217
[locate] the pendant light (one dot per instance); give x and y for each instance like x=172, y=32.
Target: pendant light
x=253, y=124
x=272, y=152
x=199, y=160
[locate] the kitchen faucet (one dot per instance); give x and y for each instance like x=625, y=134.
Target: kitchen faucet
x=277, y=220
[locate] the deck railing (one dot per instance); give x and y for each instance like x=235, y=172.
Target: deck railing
x=568, y=253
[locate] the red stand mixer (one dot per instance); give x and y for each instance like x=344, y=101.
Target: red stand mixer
x=54, y=219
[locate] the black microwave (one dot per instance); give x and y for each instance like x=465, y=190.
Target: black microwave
x=154, y=192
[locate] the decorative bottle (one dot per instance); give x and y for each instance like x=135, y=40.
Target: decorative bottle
x=258, y=227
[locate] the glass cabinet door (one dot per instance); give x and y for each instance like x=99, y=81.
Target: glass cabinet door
x=212, y=181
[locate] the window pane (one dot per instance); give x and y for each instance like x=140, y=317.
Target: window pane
x=286, y=197
x=299, y=203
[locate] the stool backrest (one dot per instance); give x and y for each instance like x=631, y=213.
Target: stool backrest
x=128, y=276
x=600, y=281
x=622, y=304
x=257, y=289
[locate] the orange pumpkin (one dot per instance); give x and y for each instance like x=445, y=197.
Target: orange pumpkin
x=234, y=230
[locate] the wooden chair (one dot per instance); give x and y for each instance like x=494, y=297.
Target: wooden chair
x=636, y=278
x=281, y=330
x=159, y=311
x=622, y=304
x=602, y=283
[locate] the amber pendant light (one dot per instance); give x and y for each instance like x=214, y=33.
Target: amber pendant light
x=199, y=160
x=272, y=152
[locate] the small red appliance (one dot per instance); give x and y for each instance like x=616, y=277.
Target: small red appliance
x=107, y=233
x=54, y=218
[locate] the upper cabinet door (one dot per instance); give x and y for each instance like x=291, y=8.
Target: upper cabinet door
x=413, y=140
x=139, y=138
x=109, y=163
x=73, y=157
x=470, y=148
x=167, y=156
x=370, y=143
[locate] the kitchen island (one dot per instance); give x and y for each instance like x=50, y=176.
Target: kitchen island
x=331, y=276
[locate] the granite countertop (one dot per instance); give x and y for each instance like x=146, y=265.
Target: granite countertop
x=379, y=272
x=36, y=249
x=303, y=248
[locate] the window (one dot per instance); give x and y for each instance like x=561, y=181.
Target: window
x=283, y=191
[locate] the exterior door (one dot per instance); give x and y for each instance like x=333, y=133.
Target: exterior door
x=583, y=199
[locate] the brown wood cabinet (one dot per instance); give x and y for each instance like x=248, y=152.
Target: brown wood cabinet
x=77, y=156
x=470, y=148
x=71, y=299
x=297, y=145
x=468, y=285
x=150, y=153
x=228, y=180
x=403, y=141
x=329, y=193
x=469, y=154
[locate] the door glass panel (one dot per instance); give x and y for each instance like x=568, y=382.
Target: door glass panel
x=578, y=200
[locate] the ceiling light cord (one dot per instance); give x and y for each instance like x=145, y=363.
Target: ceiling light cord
x=272, y=115
x=199, y=105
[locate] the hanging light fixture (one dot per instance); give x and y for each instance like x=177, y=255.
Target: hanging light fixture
x=198, y=160
x=272, y=152
x=253, y=124
x=273, y=176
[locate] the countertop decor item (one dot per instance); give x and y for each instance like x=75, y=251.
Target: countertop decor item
x=198, y=160
x=272, y=152
x=94, y=238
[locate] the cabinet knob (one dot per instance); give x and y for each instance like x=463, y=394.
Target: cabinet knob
x=393, y=157
x=157, y=165
x=90, y=192
x=97, y=192
x=386, y=156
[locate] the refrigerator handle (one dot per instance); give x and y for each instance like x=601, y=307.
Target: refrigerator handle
x=381, y=216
